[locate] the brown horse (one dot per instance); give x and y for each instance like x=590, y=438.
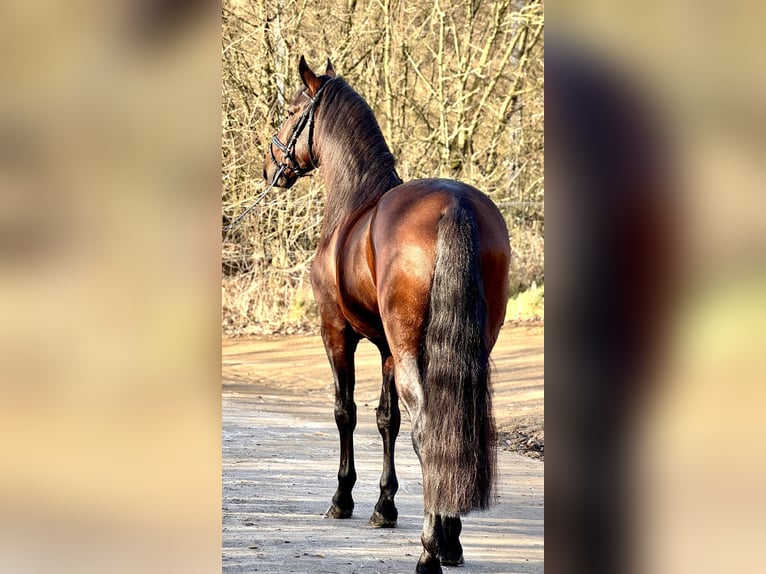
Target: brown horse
x=420, y=269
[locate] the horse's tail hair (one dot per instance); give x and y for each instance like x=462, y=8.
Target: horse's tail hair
x=458, y=436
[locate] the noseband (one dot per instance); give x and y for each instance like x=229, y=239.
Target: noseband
x=306, y=119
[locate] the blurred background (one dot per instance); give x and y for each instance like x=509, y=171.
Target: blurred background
x=657, y=293
x=109, y=273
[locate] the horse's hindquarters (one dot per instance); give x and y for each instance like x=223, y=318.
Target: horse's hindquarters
x=403, y=237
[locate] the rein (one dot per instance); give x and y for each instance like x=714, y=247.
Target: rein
x=257, y=200
x=306, y=119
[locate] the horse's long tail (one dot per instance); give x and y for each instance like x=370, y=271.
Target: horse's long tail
x=458, y=438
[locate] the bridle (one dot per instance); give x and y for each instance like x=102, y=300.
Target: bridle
x=306, y=120
x=290, y=162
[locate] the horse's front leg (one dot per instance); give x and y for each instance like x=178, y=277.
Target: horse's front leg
x=340, y=345
x=389, y=419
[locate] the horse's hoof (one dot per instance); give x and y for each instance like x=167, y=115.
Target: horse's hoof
x=428, y=564
x=336, y=511
x=377, y=520
x=453, y=555
x=451, y=560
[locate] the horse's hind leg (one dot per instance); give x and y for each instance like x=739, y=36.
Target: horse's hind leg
x=389, y=419
x=441, y=544
x=340, y=345
x=451, y=552
x=432, y=539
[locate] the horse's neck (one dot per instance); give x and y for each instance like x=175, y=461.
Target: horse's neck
x=357, y=164
x=350, y=195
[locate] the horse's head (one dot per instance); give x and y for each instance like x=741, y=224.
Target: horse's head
x=291, y=153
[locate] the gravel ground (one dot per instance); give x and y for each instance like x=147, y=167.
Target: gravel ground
x=280, y=452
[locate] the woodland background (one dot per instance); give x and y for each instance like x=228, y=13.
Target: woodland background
x=457, y=87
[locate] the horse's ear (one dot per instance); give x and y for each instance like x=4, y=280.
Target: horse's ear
x=330, y=71
x=308, y=77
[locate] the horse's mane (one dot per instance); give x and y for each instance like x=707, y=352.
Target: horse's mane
x=357, y=164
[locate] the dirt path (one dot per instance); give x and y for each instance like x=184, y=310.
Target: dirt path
x=280, y=457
